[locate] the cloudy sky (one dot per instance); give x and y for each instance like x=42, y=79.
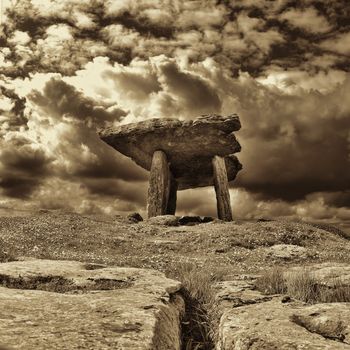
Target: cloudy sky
x=68, y=67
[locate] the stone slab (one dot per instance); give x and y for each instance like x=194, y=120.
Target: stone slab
x=253, y=321
x=142, y=314
x=189, y=145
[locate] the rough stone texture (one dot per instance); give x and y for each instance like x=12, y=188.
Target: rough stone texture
x=143, y=315
x=172, y=220
x=253, y=321
x=189, y=145
x=331, y=321
x=221, y=189
x=273, y=325
x=190, y=220
x=238, y=292
x=171, y=207
x=134, y=217
x=159, y=185
x=166, y=220
x=287, y=252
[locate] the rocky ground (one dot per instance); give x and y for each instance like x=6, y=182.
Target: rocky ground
x=231, y=256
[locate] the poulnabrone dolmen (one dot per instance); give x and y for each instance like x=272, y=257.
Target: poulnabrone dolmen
x=181, y=155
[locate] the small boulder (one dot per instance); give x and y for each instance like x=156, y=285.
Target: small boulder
x=190, y=220
x=164, y=220
x=287, y=252
x=206, y=219
x=134, y=217
x=263, y=220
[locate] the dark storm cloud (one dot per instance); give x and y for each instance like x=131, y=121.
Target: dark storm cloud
x=125, y=190
x=60, y=99
x=15, y=116
x=294, y=145
x=136, y=85
x=195, y=94
x=78, y=146
x=337, y=199
x=22, y=167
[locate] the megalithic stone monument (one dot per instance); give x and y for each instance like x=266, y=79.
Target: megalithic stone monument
x=181, y=155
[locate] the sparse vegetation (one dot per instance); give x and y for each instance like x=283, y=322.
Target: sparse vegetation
x=107, y=240
x=272, y=282
x=302, y=285
x=202, y=316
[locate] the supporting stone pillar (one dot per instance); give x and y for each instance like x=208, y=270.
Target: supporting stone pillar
x=221, y=189
x=159, y=184
x=171, y=208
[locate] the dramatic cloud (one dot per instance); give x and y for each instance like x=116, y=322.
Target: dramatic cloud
x=339, y=44
x=22, y=166
x=307, y=19
x=68, y=68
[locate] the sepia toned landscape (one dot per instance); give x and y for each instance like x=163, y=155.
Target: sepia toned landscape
x=174, y=175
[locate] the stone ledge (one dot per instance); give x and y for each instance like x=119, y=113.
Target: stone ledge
x=145, y=315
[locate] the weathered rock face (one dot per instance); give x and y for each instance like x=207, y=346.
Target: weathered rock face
x=164, y=220
x=253, y=321
x=189, y=146
x=134, y=217
x=286, y=252
x=172, y=220
x=143, y=312
x=275, y=325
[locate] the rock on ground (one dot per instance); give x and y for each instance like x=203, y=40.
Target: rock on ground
x=253, y=321
x=164, y=220
x=287, y=252
x=143, y=312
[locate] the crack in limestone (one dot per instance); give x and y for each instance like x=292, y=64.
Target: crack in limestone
x=239, y=302
x=331, y=330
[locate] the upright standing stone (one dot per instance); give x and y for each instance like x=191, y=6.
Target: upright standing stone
x=171, y=208
x=159, y=185
x=221, y=189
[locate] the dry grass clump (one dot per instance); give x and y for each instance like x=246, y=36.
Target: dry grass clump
x=303, y=286
x=202, y=315
x=336, y=294
x=272, y=282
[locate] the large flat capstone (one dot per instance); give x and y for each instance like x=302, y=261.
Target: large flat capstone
x=189, y=145
x=70, y=305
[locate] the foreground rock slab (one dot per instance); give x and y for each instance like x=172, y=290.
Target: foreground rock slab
x=136, y=308
x=253, y=321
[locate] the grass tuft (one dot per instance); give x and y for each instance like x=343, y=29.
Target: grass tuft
x=272, y=282
x=200, y=323
x=302, y=285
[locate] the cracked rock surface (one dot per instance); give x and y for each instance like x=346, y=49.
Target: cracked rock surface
x=253, y=321
x=141, y=313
